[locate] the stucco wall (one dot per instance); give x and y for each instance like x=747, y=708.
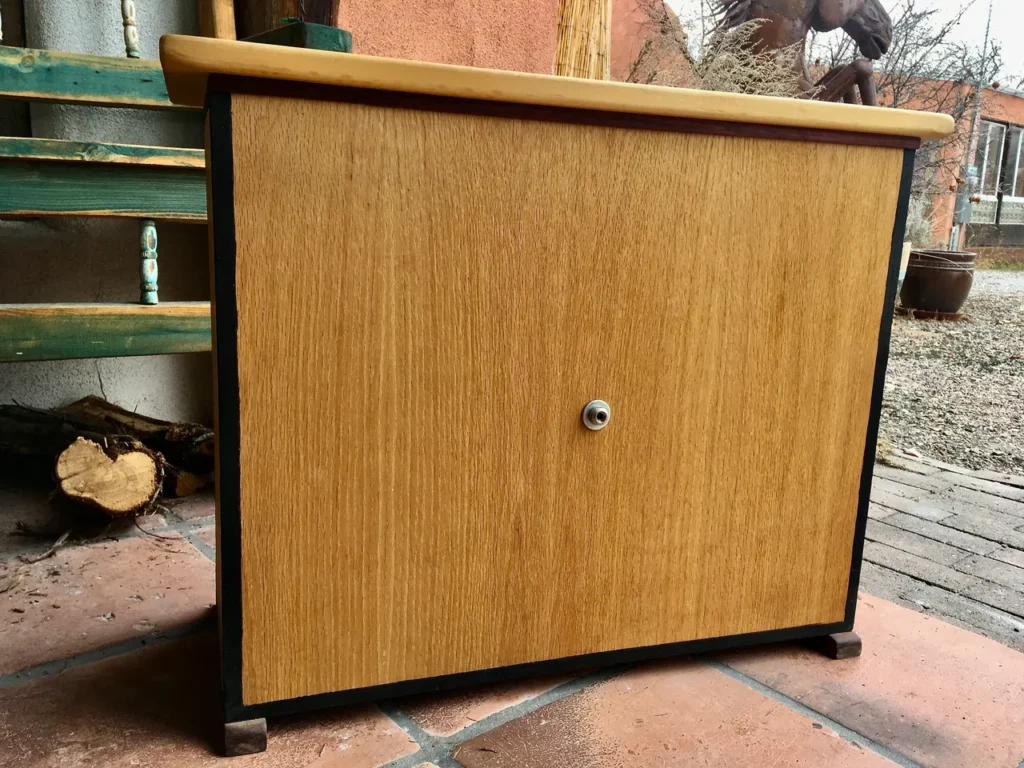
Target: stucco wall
x=97, y=260
x=514, y=35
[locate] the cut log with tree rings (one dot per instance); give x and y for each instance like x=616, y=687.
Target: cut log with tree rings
x=122, y=477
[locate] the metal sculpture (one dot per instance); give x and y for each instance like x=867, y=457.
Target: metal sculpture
x=787, y=22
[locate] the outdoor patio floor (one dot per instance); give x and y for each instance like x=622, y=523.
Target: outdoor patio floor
x=108, y=658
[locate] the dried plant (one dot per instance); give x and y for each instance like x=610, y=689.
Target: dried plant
x=921, y=223
x=725, y=60
x=730, y=61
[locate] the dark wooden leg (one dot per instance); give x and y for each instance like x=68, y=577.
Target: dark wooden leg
x=245, y=737
x=841, y=645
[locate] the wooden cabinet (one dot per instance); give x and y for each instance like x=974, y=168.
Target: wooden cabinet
x=422, y=275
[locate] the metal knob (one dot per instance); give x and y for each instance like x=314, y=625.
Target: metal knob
x=597, y=414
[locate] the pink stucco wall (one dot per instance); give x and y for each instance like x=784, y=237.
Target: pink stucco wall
x=630, y=28
x=514, y=35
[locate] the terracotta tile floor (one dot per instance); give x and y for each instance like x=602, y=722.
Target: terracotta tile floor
x=123, y=673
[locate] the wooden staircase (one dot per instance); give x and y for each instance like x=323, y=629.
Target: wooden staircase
x=56, y=178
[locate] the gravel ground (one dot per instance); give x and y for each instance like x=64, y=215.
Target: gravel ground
x=955, y=390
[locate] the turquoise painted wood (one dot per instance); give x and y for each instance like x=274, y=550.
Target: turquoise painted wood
x=77, y=78
x=46, y=188
x=148, y=266
x=24, y=148
x=70, y=331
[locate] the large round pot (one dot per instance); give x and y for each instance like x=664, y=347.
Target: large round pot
x=938, y=281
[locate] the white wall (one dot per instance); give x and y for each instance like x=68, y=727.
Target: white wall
x=97, y=260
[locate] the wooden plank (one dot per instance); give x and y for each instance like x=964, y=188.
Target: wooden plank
x=68, y=331
x=94, y=152
x=189, y=61
x=217, y=19
x=449, y=482
x=47, y=188
x=38, y=75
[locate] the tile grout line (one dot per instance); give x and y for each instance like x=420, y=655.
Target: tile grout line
x=843, y=731
x=49, y=668
x=437, y=749
x=201, y=546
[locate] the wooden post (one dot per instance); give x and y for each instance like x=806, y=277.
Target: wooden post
x=584, y=39
x=256, y=16
x=217, y=19
x=131, y=31
x=147, y=266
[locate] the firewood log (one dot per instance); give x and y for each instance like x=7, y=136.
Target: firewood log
x=120, y=476
x=185, y=445
x=37, y=437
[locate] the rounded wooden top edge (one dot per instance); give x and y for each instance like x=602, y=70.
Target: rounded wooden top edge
x=189, y=61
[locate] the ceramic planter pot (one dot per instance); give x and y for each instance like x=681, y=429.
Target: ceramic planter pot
x=937, y=281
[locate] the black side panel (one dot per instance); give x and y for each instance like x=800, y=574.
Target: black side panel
x=881, y=363
x=225, y=349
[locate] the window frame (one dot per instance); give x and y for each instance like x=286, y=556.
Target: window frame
x=987, y=126
x=1014, y=181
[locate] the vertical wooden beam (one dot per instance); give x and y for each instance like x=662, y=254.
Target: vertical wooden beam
x=131, y=31
x=217, y=19
x=147, y=266
x=584, y=39
x=257, y=16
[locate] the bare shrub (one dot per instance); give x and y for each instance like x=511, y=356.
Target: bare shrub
x=921, y=223
x=727, y=60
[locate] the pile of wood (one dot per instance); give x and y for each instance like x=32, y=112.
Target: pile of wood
x=112, y=459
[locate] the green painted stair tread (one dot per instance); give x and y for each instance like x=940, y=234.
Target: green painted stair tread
x=61, y=150
x=69, y=331
x=32, y=187
x=33, y=74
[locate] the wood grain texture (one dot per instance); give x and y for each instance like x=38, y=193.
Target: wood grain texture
x=217, y=19
x=31, y=187
x=442, y=508
x=189, y=61
x=67, y=331
x=24, y=148
x=78, y=78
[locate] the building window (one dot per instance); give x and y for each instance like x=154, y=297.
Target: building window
x=1014, y=173
x=999, y=160
x=989, y=157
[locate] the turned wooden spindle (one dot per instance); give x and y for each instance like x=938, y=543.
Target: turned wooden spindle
x=147, y=266
x=131, y=31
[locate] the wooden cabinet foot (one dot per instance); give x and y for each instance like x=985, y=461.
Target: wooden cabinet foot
x=245, y=737
x=841, y=645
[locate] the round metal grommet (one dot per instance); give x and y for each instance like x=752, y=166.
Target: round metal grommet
x=597, y=414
